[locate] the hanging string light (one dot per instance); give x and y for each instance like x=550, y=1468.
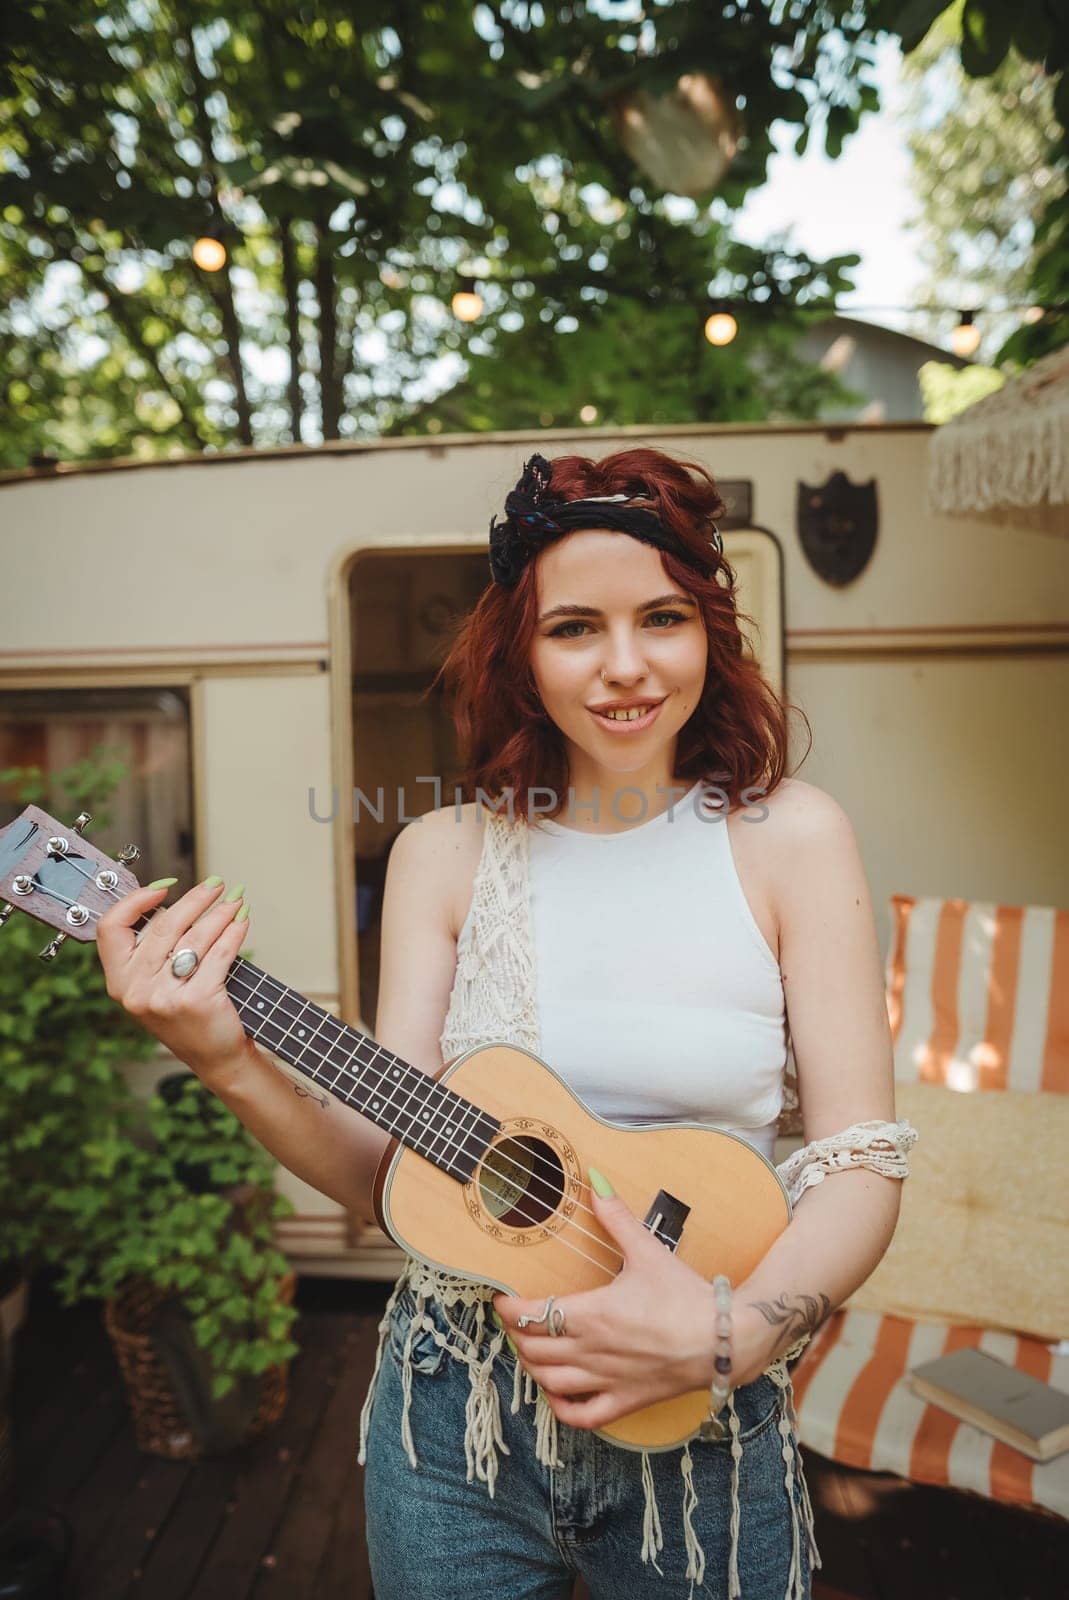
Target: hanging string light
x=721, y=328
x=467, y=302
x=965, y=339
x=209, y=253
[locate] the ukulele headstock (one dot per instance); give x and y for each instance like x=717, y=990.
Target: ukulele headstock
x=49, y=870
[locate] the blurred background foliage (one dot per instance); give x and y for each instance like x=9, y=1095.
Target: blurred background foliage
x=990, y=172
x=359, y=160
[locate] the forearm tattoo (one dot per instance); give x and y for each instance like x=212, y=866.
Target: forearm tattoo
x=794, y=1315
x=311, y=1094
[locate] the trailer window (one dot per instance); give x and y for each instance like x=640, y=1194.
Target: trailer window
x=142, y=733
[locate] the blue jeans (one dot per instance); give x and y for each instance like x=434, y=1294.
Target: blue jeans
x=432, y=1535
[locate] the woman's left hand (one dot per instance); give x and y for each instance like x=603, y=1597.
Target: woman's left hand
x=648, y=1335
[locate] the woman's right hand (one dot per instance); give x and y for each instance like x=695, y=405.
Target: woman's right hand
x=194, y=1017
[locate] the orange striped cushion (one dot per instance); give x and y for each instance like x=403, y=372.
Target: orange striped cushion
x=978, y=994
x=855, y=1406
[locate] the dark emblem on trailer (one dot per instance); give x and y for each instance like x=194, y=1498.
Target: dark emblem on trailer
x=837, y=524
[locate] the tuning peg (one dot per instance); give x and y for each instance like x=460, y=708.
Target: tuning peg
x=50, y=949
x=82, y=821
x=129, y=854
x=5, y=911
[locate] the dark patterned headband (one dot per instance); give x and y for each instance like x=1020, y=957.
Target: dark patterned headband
x=533, y=520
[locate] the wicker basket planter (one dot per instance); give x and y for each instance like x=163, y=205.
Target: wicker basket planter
x=174, y=1414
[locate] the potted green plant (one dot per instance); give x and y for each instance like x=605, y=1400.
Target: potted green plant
x=175, y=1232
x=167, y=1215
x=62, y=1040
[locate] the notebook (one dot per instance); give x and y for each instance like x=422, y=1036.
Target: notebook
x=980, y=1389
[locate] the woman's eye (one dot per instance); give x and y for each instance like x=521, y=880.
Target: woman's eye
x=561, y=631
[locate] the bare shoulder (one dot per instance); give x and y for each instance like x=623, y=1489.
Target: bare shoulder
x=811, y=849
x=797, y=811
x=444, y=846
x=780, y=841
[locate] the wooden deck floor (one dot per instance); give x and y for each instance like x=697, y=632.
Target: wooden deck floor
x=283, y=1516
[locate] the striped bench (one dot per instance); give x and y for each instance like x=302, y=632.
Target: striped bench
x=978, y=999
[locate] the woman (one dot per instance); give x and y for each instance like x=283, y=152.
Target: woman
x=598, y=919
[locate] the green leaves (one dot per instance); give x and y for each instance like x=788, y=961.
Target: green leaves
x=990, y=171
x=912, y=20
x=841, y=122
x=986, y=30
x=95, y=1188
x=354, y=167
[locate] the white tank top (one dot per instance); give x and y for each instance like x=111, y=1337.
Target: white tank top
x=658, y=996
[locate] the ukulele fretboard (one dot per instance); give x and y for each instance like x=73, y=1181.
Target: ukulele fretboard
x=423, y=1114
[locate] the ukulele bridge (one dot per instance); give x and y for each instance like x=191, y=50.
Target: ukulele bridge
x=666, y=1219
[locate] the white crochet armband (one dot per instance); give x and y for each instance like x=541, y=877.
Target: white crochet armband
x=882, y=1146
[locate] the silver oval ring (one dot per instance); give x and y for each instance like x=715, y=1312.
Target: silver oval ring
x=184, y=962
x=556, y=1322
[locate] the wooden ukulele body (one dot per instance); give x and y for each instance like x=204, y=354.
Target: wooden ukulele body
x=524, y=1223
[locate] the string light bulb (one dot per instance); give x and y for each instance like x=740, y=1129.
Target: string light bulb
x=965, y=339
x=721, y=328
x=209, y=254
x=467, y=302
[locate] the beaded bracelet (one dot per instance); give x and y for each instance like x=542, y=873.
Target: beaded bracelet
x=720, y=1388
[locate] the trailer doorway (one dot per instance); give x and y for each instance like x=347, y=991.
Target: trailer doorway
x=404, y=610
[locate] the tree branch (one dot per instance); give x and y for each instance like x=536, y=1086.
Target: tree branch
x=120, y=313
x=223, y=292
x=329, y=386
x=291, y=284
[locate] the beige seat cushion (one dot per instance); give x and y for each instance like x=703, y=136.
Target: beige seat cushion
x=983, y=1233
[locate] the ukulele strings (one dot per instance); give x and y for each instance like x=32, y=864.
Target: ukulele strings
x=516, y=1210
x=517, y=1165
x=86, y=873
x=527, y=1172
x=236, y=972
x=418, y=1083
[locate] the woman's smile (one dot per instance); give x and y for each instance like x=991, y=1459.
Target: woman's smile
x=625, y=722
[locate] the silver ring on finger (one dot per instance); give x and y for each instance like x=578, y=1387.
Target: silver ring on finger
x=556, y=1321
x=534, y=1322
x=184, y=963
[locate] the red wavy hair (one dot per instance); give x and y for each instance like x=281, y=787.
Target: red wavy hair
x=737, y=735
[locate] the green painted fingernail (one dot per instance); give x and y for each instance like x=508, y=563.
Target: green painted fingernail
x=600, y=1183
x=211, y=883
x=243, y=914
x=233, y=894
x=161, y=883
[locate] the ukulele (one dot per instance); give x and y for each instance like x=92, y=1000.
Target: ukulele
x=485, y=1175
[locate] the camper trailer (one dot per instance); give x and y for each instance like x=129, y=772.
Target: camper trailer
x=260, y=631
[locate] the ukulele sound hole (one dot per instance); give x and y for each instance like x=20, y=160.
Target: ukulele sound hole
x=521, y=1181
